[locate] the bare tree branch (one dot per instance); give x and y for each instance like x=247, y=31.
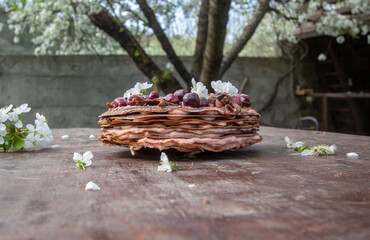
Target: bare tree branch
x=217, y=20
x=197, y=64
x=122, y=35
x=248, y=32
x=165, y=43
x=300, y=60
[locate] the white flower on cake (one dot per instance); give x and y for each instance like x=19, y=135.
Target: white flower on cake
x=224, y=87
x=84, y=160
x=138, y=89
x=199, y=89
x=291, y=144
x=320, y=150
x=92, y=186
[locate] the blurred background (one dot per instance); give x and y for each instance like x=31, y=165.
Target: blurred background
x=305, y=64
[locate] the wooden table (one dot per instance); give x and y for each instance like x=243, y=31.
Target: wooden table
x=262, y=192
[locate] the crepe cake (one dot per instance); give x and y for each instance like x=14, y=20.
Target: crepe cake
x=177, y=121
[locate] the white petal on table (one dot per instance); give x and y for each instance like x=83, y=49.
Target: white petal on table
x=86, y=158
x=92, y=186
x=65, y=137
x=352, y=155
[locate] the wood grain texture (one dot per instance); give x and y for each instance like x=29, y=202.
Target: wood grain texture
x=262, y=192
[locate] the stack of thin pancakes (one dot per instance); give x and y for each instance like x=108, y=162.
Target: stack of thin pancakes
x=186, y=129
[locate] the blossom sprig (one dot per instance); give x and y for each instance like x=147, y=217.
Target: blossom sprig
x=292, y=144
x=14, y=137
x=166, y=165
x=224, y=87
x=199, y=88
x=320, y=150
x=138, y=89
x=305, y=150
x=83, y=161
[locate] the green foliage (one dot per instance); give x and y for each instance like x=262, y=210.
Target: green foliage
x=81, y=164
x=18, y=143
x=166, y=74
x=13, y=138
x=173, y=166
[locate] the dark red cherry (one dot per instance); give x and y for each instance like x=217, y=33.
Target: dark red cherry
x=119, y=102
x=237, y=100
x=153, y=94
x=171, y=98
x=191, y=100
x=180, y=94
x=203, y=101
x=131, y=101
x=244, y=97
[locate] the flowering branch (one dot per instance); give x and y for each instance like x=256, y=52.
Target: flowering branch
x=14, y=137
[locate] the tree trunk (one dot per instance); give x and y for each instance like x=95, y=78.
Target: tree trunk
x=248, y=32
x=201, y=40
x=217, y=20
x=122, y=35
x=165, y=43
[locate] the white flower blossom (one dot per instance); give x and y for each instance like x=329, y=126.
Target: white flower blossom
x=92, y=186
x=84, y=160
x=291, y=144
x=39, y=135
x=340, y=39
x=321, y=57
x=165, y=164
x=14, y=118
x=2, y=135
x=352, y=155
x=22, y=109
x=40, y=119
x=224, y=87
x=170, y=67
x=199, y=89
x=320, y=150
x=138, y=89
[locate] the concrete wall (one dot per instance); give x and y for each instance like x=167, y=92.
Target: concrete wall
x=71, y=91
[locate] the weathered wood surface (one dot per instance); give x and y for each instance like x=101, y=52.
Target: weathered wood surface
x=262, y=192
